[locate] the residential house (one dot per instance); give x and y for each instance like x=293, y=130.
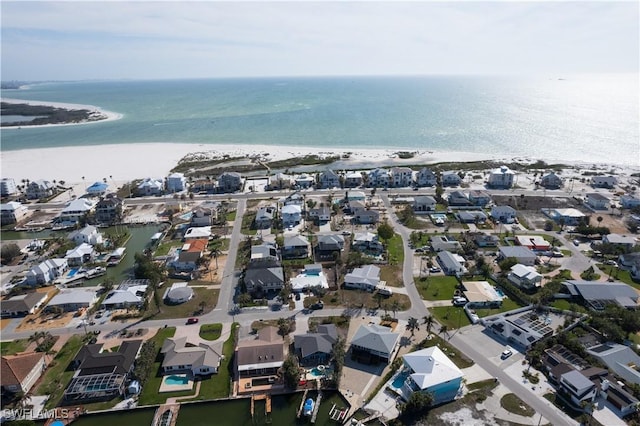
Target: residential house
x=523, y=327
x=569, y=217
x=197, y=232
x=178, y=293
x=329, y=179
x=621, y=359
x=13, y=212
x=101, y=375
x=502, y=177
x=364, y=278
x=73, y=299
x=266, y=252
x=150, y=186
x=354, y=205
x=352, y=196
x=622, y=241
x=504, y=214
x=551, y=181
x=629, y=201
x=458, y=198
x=39, y=189
x=329, y=243
x=280, y=181
x=424, y=203
x=109, y=209
x=522, y=254
x=204, y=214
x=264, y=217
x=451, y=264
x=451, y=179
x=430, y=371
x=578, y=388
x=188, y=257
x=8, y=187
x=203, y=186
x=87, y=235
x=22, y=305
x=533, y=242
x=444, y=242
x=365, y=216
x=622, y=400
x=176, y=182
x=97, y=189
x=597, y=201
x=525, y=277
x=472, y=216
x=18, y=373
x=311, y=277
x=379, y=178
x=46, y=271
x=291, y=214
x=199, y=359
x=479, y=198
x=77, y=209
x=129, y=294
x=401, y=177
x=481, y=295
x=320, y=215
x=353, y=179
x=597, y=294
x=632, y=262
x=603, y=181
x=374, y=343
x=295, y=198
x=296, y=247
x=229, y=182
x=260, y=357
x=79, y=255
x=367, y=242
x=486, y=240
x=304, y=181
x=426, y=177
x=264, y=276
x=316, y=348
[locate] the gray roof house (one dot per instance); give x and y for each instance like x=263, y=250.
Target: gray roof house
x=364, y=278
x=364, y=216
x=329, y=179
x=262, y=356
x=551, y=181
x=450, y=263
x=424, y=203
x=330, y=242
x=479, y=198
x=295, y=247
x=598, y=294
x=264, y=217
x=458, y=198
x=522, y=254
x=619, y=358
x=374, y=343
x=315, y=348
x=426, y=177
x=451, y=179
x=73, y=299
x=264, y=276
x=444, y=242
x=321, y=214
x=472, y=216
x=597, y=201
x=180, y=355
x=229, y=182
x=22, y=305
x=603, y=181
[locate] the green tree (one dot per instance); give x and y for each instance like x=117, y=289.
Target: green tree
x=291, y=371
x=428, y=323
x=418, y=402
x=412, y=325
x=395, y=307
x=444, y=330
x=284, y=327
x=506, y=264
x=385, y=231
x=9, y=252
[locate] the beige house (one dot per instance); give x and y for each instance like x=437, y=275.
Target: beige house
x=20, y=372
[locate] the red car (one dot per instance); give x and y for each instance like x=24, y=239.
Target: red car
x=192, y=321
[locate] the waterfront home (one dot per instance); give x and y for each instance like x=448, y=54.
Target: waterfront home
x=504, y=214
x=578, y=388
x=374, y=343
x=22, y=305
x=109, y=209
x=458, y=198
x=73, y=299
x=19, y=372
x=597, y=295
x=203, y=186
x=401, y=177
x=79, y=255
x=291, y=214
x=426, y=177
x=533, y=242
x=176, y=182
x=304, y=181
x=444, y=242
x=424, y=203
x=597, y=201
x=204, y=214
x=262, y=356
x=315, y=348
x=295, y=247
x=479, y=198
x=197, y=232
x=39, y=189
x=312, y=277
x=451, y=179
x=502, y=177
x=603, y=181
x=481, y=294
x=280, y=181
x=130, y=293
x=621, y=359
x=622, y=241
x=629, y=201
x=328, y=179
x=430, y=371
x=472, y=216
x=329, y=243
x=363, y=278
x=13, y=212
x=452, y=264
x=353, y=179
x=379, y=178
x=367, y=242
x=198, y=358
x=97, y=189
x=77, y=209
x=8, y=187
x=101, y=375
x=46, y=271
x=150, y=186
x=551, y=181
x=87, y=235
x=525, y=277
x=522, y=255
x=264, y=217
x=320, y=215
x=229, y=182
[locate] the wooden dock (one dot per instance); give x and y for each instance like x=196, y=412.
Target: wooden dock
x=304, y=398
x=173, y=408
x=260, y=397
x=316, y=408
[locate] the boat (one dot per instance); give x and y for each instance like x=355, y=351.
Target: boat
x=96, y=272
x=116, y=256
x=307, y=410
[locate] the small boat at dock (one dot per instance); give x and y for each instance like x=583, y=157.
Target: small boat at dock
x=308, y=407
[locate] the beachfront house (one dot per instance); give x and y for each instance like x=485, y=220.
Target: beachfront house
x=503, y=214
x=352, y=179
x=97, y=189
x=379, y=178
x=22, y=305
x=451, y=179
x=198, y=358
x=430, y=371
x=603, y=181
x=87, y=235
x=426, y=177
x=8, y=187
x=551, y=181
x=279, y=181
x=364, y=278
x=150, y=186
x=296, y=247
x=315, y=348
x=13, y=212
x=229, y=182
x=525, y=277
x=597, y=201
x=176, y=182
x=109, y=209
x=77, y=210
x=424, y=203
x=79, y=255
x=401, y=177
x=502, y=177
x=328, y=179
x=21, y=371
x=373, y=344
x=203, y=186
x=46, y=272
x=39, y=189
x=451, y=264
x=304, y=181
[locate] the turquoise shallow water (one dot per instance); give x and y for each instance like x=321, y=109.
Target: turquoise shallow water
x=583, y=118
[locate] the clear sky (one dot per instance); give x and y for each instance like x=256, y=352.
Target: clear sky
x=150, y=40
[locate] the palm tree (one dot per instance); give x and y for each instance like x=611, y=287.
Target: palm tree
x=428, y=322
x=412, y=325
x=395, y=307
x=37, y=337
x=443, y=330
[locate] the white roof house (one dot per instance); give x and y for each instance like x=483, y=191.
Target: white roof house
x=178, y=293
x=430, y=370
x=77, y=208
x=151, y=186
x=313, y=276
x=502, y=177
x=524, y=276
x=79, y=254
x=198, y=232
x=481, y=293
x=291, y=214
x=128, y=293
x=621, y=240
x=364, y=278
x=73, y=299
x=89, y=235
x=46, y=271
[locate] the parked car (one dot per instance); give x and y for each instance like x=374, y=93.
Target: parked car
x=297, y=296
x=192, y=321
x=576, y=242
x=506, y=353
x=317, y=306
x=435, y=269
x=611, y=262
x=459, y=301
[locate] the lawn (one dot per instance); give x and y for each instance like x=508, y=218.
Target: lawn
x=515, y=405
x=507, y=305
x=247, y=224
x=436, y=287
x=451, y=316
x=620, y=275
x=190, y=308
x=392, y=275
x=395, y=249
x=56, y=378
x=13, y=347
x=454, y=355
x=163, y=249
x=359, y=298
x=210, y=331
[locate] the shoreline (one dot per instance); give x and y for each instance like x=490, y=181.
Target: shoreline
x=125, y=162
x=109, y=115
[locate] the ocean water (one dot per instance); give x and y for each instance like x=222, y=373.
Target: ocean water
x=575, y=118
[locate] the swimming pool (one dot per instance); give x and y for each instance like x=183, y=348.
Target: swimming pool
x=176, y=379
x=72, y=272
x=499, y=292
x=398, y=382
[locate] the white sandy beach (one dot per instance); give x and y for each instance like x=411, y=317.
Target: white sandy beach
x=109, y=115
